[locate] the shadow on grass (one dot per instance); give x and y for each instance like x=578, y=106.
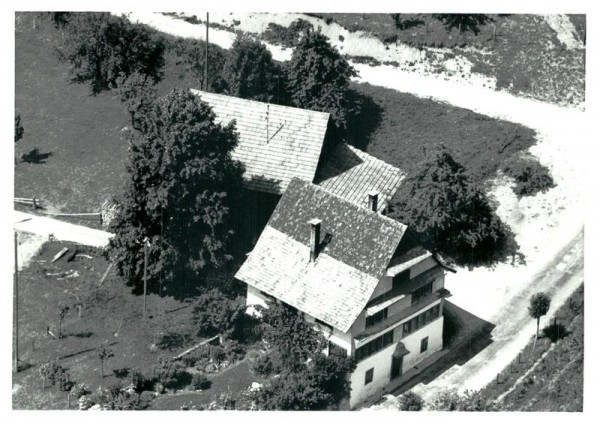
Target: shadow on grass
x=35, y=156
x=82, y=335
x=555, y=332
x=364, y=121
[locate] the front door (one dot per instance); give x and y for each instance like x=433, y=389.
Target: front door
x=396, y=367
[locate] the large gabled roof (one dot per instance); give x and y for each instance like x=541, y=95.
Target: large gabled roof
x=276, y=143
x=356, y=248
x=352, y=174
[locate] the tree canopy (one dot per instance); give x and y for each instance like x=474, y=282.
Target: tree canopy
x=463, y=22
x=539, y=304
x=181, y=193
x=101, y=47
x=250, y=72
x=318, y=78
x=449, y=213
x=137, y=91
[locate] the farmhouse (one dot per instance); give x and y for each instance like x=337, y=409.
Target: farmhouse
x=359, y=276
x=279, y=143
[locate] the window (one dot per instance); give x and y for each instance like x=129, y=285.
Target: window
x=400, y=279
x=421, y=292
x=369, y=376
x=420, y=320
x=375, y=345
x=377, y=317
x=424, y=343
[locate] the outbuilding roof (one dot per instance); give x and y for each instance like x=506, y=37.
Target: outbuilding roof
x=355, y=249
x=352, y=174
x=276, y=143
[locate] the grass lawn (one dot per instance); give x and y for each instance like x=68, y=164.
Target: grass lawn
x=111, y=315
x=82, y=139
x=407, y=126
x=554, y=383
x=521, y=51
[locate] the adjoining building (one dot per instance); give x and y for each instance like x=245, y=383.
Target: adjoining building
x=359, y=276
x=279, y=143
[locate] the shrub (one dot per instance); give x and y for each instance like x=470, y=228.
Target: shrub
x=51, y=373
x=80, y=390
x=140, y=382
x=266, y=364
x=410, y=401
x=121, y=372
x=531, y=176
x=201, y=382
x=215, y=313
x=234, y=351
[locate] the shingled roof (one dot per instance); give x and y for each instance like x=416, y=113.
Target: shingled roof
x=356, y=247
x=276, y=143
x=352, y=174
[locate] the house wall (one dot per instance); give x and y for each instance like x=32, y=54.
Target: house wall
x=381, y=362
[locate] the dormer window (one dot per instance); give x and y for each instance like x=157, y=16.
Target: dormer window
x=377, y=317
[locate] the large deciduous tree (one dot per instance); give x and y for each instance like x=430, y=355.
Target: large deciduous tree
x=449, y=213
x=250, y=72
x=318, y=78
x=101, y=47
x=137, y=91
x=181, y=193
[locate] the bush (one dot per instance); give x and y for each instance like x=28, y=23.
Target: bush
x=140, y=382
x=234, y=351
x=80, y=390
x=215, y=313
x=410, y=401
x=531, y=176
x=121, y=372
x=201, y=382
x=266, y=364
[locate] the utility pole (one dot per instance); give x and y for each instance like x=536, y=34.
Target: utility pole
x=206, y=57
x=145, y=270
x=16, y=311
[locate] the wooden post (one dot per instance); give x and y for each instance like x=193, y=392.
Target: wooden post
x=16, y=310
x=145, y=272
x=555, y=329
x=206, y=57
x=33, y=204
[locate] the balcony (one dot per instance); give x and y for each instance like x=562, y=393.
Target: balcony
x=403, y=314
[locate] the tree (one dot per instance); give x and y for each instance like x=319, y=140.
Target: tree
x=101, y=47
x=216, y=314
x=181, y=194
x=104, y=353
x=250, y=72
x=464, y=22
x=289, y=333
x=410, y=401
x=539, y=304
x=137, y=91
x=321, y=384
x=448, y=212
x=318, y=78
x=19, y=130
x=63, y=310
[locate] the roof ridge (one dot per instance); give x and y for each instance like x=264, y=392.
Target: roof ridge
x=201, y=92
x=376, y=158
x=352, y=204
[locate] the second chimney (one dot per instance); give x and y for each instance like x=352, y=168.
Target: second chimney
x=315, y=238
x=373, y=201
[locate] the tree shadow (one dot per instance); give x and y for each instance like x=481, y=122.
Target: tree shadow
x=35, y=156
x=555, y=332
x=364, y=118
x=403, y=23
x=81, y=335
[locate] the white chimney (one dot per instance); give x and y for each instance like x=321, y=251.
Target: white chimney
x=373, y=200
x=315, y=238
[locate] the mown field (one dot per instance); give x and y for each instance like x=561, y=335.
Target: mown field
x=521, y=51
